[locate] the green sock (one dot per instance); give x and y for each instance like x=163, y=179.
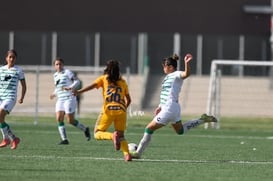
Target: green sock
x=4, y=127
x=79, y=125
x=62, y=130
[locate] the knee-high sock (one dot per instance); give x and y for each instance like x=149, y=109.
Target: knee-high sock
x=62, y=131
x=124, y=146
x=4, y=127
x=79, y=125
x=144, y=142
x=191, y=124
x=102, y=135
x=11, y=134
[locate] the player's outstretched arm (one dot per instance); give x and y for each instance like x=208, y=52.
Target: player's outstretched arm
x=84, y=89
x=186, y=73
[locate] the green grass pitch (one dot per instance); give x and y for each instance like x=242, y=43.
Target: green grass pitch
x=240, y=151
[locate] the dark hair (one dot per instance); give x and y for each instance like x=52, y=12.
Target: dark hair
x=171, y=61
x=59, y=59
x=12, y=51
x=112, y=70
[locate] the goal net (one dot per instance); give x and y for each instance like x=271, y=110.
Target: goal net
x=240, y=95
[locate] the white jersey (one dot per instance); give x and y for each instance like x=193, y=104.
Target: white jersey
x=9, y=78
x=171, y=87
x=65, y=78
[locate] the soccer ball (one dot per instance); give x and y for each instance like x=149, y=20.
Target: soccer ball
x=132, y=147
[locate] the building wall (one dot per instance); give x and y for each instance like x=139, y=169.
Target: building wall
x=220, y=22
x=190, y=16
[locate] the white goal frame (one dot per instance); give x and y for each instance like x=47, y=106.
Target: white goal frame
x=214, y=91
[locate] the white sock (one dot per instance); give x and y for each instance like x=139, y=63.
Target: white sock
x=62, y=132
x=4, y=132
x=80, y=126
x=146, y=139
x=192, y=124
x=11, y=134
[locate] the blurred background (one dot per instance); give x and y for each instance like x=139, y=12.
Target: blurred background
x=140, y=34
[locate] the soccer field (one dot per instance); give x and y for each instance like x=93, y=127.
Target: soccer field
x=241, y=150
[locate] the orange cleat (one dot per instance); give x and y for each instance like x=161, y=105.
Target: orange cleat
x=127, y=158
x=4, y=143
x=14, y=143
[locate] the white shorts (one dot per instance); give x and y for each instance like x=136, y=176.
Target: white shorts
x=169, y=114
x=7, y=105
x=68, y=106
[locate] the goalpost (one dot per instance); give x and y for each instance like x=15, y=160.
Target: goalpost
x=241, y=94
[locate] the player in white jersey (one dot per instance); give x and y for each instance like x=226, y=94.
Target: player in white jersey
x=169, y=110
x=10, y=75
x=65, y=80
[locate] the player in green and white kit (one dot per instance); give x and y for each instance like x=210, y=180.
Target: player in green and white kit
x=169, y=110
x=10, y=75
x=65, y=80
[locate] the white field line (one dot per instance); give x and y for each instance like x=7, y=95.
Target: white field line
x=164, y=134
x=140, y=160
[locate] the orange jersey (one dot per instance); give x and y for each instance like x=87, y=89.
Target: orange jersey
x=113, y=95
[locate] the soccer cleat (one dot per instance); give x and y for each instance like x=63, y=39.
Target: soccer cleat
x=87, y=134
x=127, y=158
x=64, y=142
x=14, y=143
x=4, y=143
x=208, y=119
x=134, y=154
x=116, y=140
